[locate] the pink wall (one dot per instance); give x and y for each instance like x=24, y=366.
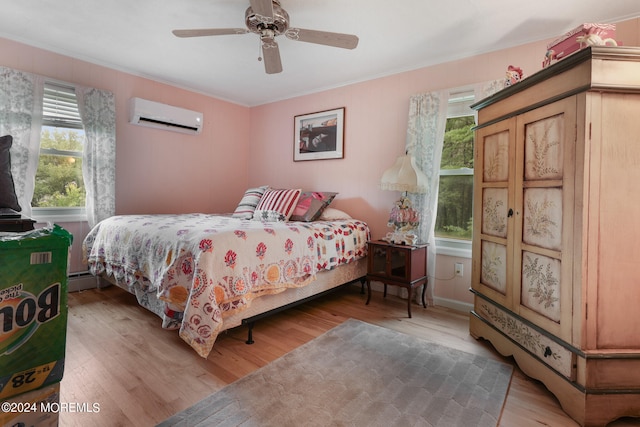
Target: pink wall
x=156, y=171
x=375, y=130
x=375, y=127
x=165, y=172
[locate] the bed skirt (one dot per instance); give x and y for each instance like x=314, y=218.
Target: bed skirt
x=325, y=280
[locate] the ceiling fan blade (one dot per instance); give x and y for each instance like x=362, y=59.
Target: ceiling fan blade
x=271, y=54
x=209, y=32
x=263, y=8
x=345, y=41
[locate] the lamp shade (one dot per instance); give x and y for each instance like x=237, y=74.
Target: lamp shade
x=404, y=175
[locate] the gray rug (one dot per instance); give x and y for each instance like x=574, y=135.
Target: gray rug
x=359, y=374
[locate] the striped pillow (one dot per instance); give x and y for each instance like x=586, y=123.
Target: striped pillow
x=249, y=201
x=282, y=201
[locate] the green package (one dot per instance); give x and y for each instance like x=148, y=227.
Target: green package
x=33, y=308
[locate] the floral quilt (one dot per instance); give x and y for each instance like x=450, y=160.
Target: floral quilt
x=195, y=269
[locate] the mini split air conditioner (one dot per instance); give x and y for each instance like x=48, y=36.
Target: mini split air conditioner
x=162, y=116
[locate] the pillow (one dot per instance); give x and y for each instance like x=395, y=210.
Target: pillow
x=248, y=203
x=8, y=197
x=331, y=214
x=283, y=201
x=269, y=216
x=311, y=204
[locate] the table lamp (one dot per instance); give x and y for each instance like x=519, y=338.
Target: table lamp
x=404, y=176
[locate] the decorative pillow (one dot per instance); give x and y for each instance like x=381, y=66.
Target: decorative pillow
x=283, y=201
x=311, y=204
x=8, y=197
x=249, y=201
x=331, y=214
x=269, y=216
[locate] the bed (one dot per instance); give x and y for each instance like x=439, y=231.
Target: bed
x=205, y=273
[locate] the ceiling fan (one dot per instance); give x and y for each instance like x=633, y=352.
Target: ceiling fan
x=269, y=20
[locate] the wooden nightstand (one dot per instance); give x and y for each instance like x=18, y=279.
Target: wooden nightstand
x=398, y=265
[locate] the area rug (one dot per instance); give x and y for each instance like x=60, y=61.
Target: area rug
x=358, y=374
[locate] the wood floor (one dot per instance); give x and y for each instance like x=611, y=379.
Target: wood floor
x=140, y=380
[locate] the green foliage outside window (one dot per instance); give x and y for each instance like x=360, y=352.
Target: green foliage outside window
x=59, y=180
x=455, y=199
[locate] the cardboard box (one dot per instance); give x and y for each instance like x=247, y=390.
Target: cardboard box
x=33, y=309
x=569, y=42
x=35, y=408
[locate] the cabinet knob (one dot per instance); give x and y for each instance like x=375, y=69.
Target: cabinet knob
x=510, y=213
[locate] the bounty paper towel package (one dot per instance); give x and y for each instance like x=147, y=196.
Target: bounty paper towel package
x=33, y=308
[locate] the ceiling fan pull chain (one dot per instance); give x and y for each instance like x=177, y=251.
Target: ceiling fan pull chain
x=259, y=50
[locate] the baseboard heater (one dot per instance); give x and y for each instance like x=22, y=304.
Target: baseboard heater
x=81, y=281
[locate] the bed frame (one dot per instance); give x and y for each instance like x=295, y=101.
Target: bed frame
x=326, y=282
x=264, y=306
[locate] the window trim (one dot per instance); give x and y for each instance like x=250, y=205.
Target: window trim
x=61, y=153
x=77, y=214
x=454, y=247
x=456, y=172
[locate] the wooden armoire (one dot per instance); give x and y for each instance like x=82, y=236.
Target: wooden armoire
x=556, y=243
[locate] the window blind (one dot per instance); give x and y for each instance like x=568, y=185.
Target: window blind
x=60, y=107
x=460, y=104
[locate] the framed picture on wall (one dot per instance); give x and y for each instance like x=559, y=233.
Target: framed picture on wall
x=319, y=135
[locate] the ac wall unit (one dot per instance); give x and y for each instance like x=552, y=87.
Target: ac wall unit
x=162, y=116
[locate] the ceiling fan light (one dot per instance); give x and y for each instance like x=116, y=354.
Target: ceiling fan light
x=256, y=23
x=267, y=34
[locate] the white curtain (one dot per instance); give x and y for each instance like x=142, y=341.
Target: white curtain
x=486, y=89
x=21, y=117
x=425, y=138
x=98, y=113
x=21, y=97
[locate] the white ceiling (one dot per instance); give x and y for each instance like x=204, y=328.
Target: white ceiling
x=135, y=36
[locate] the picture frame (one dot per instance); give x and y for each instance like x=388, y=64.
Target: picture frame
x=319, y=136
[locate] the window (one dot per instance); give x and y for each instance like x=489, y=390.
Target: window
x=455, y=198
x=59, y=186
